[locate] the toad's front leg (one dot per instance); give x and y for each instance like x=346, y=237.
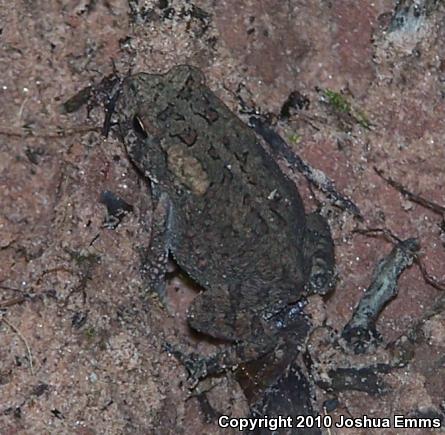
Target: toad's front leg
x=154, y=258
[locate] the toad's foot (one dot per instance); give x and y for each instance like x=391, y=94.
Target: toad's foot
x=195, y=364
x=199, y=367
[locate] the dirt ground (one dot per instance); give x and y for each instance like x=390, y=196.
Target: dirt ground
x=81, y=343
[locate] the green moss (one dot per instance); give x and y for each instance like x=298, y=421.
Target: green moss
x=294, y=138
x=340, y=104
x=90, y=333
x=337, y=101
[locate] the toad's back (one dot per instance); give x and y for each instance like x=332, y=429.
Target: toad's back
x=236, y=218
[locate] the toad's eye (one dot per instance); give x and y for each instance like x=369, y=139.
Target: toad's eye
x=139, y=128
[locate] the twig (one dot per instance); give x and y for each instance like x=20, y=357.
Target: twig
x=391, y=238
x=387, y=234
x=438, y=285
x=315, y=176
x=11, y=302
x=436, y=208
x=28, y=350
x=62, y=132
x=360, y=331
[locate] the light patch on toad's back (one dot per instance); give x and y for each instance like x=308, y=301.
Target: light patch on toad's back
x=188, y=170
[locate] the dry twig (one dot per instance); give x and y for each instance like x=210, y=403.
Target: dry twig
x=436, y=208
x=28, y=349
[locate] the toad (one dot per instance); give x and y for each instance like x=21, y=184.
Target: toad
x=226, y=214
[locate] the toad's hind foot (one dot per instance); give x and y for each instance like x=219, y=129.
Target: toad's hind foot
x=194, y=363
x=199, y=367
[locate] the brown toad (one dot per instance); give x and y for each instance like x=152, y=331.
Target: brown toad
x=226, y=213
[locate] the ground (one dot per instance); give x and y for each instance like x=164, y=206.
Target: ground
x=81, y=342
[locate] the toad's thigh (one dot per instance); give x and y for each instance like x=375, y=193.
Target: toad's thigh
x=220, y=315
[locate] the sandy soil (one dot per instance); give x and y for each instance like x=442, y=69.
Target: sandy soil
x=80, y=341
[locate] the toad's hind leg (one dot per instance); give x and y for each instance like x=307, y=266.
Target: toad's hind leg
x=220, y=316
x=215, y=313
x=319, y=255
x=154, y=258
